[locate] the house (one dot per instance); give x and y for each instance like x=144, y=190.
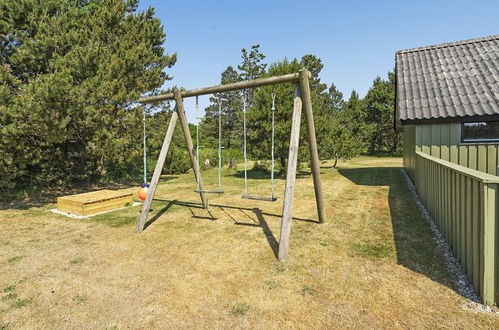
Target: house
x=447, y=104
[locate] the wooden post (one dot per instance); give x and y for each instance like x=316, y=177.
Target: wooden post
x=290, y=177
x=190, y=146
x=157, y=173
x=312, y=143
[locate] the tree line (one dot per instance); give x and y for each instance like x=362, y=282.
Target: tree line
x=344, y=128
x=71, y=72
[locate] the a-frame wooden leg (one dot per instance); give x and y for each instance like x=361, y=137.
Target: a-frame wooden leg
x=157, y=173
x=312, y=143
x=190, y=146
x=290, y=177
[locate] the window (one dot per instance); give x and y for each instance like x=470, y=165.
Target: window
x=484, y=131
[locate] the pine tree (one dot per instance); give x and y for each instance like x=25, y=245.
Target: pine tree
x=70, y=72
x=259, y=117
x=347, y=130
x=231, y=120
x=251, y=68
x=380, y=103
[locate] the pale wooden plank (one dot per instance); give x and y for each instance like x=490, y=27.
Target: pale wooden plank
x=190, y=147
x=290, y=178
x=144, y=213
x=292, y=77
x=312, y=143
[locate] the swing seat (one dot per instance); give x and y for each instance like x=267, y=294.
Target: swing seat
x=258, y=198
x=209, y=191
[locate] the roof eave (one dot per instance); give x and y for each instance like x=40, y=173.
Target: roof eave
x=443, y=120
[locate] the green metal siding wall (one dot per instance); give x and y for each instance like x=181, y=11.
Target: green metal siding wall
x=463, y=202
x=444, y=141
x=409, y=145
x=457, y=182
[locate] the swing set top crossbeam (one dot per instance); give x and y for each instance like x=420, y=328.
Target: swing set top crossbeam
x=292, y=77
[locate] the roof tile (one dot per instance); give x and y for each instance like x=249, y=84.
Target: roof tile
x=449, y=80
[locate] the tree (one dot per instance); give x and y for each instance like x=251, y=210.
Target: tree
x=251, y=68
x=70, y=73
x=320, y=102
x=259, y=117
x=380, y=103
x=231, y=120
x=347, y=130
x=178, y=159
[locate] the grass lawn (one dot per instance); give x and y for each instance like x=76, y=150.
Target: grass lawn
x=374, y=264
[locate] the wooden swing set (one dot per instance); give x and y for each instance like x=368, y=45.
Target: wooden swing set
x=301, y=99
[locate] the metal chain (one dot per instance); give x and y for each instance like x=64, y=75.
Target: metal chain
x=197, y=138
x=244, y=147
x=219, y=143
x=145, y=146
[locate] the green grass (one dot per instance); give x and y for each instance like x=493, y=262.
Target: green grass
x=36, y=211
x=240, y=309
x=4, y=326
x=79, y=299
x=368, y=250
x=16, y=258
x=9, y=288
x=115, y=219
x=10, y=296
x=307, y=290
x=22, y=302
x=272, y=284
x=360, y=264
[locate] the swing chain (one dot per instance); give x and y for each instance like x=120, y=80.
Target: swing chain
x=273, y=143
x=197, y=138
x=219, y=143
x=145, y=145
x=244, y=147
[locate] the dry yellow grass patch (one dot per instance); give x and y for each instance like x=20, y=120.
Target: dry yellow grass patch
x=372, y=265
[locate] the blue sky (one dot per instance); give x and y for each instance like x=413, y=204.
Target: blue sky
x=356, y=40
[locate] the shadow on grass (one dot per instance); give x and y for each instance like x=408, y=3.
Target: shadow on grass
x=274, y=245
x=230, y=207
x=159, y=214
x=414, y=242
x=256, y=218
x=195, y=216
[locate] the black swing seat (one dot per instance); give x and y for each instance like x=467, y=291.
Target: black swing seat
x=258, y=198
x=209, y=191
